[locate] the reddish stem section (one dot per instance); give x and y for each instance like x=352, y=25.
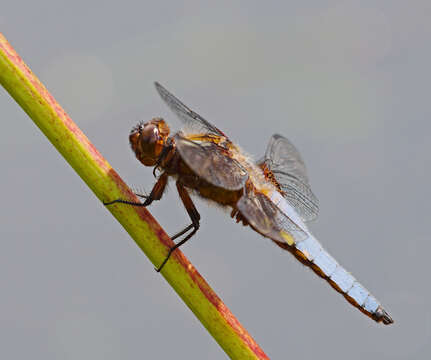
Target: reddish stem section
x=42, y=92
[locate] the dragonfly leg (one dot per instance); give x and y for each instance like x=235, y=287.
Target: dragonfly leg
x=178, y=234
x=142, y=196
x=156, y=194
x=194, y=216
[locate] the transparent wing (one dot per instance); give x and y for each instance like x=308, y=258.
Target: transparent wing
x=212, y=163
x=194, y=123
x=285, y=162
x=267, y=219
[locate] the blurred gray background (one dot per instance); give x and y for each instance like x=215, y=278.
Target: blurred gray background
x=347, y=81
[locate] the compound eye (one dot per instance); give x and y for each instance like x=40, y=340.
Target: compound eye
x=149, y=133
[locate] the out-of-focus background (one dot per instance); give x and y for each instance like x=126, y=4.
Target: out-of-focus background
x=347, y=81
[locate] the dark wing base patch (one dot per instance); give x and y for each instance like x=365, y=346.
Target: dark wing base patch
x=212, y=163
x=267, y=219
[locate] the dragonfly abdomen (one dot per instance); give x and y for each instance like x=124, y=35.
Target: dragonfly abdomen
x=340, y=279
x=310, y=252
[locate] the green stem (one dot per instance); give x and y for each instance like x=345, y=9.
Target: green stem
x=106, y=184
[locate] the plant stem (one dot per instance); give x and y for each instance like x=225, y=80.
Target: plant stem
x=106, y=184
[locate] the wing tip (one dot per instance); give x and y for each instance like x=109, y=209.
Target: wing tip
x=158, y=85
x=277, y=136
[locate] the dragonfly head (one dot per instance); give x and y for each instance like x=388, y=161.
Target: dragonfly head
x=148, y=139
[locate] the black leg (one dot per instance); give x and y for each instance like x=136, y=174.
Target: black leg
x=173, y=237
x=121, y=201
x=171, y=250
x=156, y=194
x=194, y=216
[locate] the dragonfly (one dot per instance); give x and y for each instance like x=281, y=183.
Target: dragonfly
x=272, y=196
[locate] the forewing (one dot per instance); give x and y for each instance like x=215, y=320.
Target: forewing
x=194, y=123
x=212, y=163
x=267, y=219
x=285, y=162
